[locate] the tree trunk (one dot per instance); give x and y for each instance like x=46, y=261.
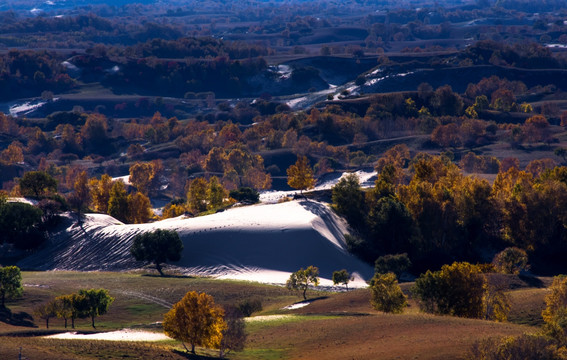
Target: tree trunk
x=47, y=323
x=193, y=348
x=305, y=292
x=72, y=323
x=92, y=322
x=65, y=323
x=158, y=268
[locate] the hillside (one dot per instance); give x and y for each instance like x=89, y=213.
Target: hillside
x=261, y=243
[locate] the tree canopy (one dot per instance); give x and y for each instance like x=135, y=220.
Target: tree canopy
x=302, y=278
x=158, y=247
x=387, y=296
x=300, y=175
x=37, y=184
x=196, y=320
x=95, y=302
x=10, y=283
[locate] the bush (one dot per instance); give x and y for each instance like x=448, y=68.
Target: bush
x=249, y=306
x=524, y=347
x=387, y=296
x=396, y=264
x=245, y=195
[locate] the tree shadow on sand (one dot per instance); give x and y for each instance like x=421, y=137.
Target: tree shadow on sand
x=194, y=356
x=16, y=319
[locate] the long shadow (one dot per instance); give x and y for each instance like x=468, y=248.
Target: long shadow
x=194, y=356
x=16, y=319
x=170, y=276
x=532, y=281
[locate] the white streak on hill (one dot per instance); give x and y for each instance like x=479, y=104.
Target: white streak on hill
x=262, y=243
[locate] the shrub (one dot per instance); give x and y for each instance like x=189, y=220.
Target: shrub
x=249, y=306
x=387, y=296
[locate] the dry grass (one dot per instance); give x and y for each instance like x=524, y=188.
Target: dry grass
x=333, y=326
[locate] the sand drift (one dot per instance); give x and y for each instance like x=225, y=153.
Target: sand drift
x=263, y=243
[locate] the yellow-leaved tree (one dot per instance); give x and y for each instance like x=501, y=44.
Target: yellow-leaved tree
x=300, y=175
x=196, y=320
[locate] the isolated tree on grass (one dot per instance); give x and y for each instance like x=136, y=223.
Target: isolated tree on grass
x=196, y=320
x=341, y=277
x=95, y=303
x=46, y=311
x=387, y=296
x=158, y=247
x=300, y=175
x=10, y=283
x=301, y=279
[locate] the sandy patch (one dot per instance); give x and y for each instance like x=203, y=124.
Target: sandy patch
x=120, y=335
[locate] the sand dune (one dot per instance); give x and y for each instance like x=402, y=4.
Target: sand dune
x=262, y=243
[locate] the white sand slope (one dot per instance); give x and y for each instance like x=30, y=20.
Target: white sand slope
x=263, y=243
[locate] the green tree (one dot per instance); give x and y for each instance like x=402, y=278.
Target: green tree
x=19, y=225
x=10, y=283
x=348, y=199
x=64, y=308
x=392, y=263
x=301, y=279
x=196, y=320
x=511, y=260
x=456, y=289
x=387, y=296
x=46, y=311
x=158, y=247
x=95, y=303
x=300, y=175
x=71, y=306
x=341, y=277
x=215, y=193
x=37, y=184
x=118, y=201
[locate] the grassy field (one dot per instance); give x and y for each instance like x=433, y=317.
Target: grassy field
x=334, y=326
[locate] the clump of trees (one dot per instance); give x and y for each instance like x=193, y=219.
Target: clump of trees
x=460, y=289
x=86, y=303
x=157, y=247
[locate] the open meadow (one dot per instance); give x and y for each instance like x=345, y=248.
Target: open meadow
x=333, y=326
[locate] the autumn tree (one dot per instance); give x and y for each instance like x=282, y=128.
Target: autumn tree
x=100, y=191
x=139, y=208
x=10, y=284
x=46, y=311
x=341, y=277
x=95, y=303
x=81, y=196
x=196, y=320
x=511, y=260
x=94, y=133
x=141, y=176
x=13, y=154
x=302, y=278
x=118, y=201
x=197, y=195
x=387, y=296
x=555, y=312
x=37, y=184
x=300, y=175
x=157, y=247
